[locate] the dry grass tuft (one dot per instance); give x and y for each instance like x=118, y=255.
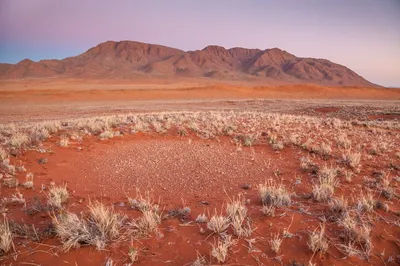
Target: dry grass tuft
x=57, y=196
x=268, y=210
x=147, y=223
x=18, y=139
x=64, y=141
x=200, y=261
x=275, y=243
x=365, y=202
x=221, y=248
x=356, y=234
x=274, y=194
x=237, y=214
x=99, y=227
x=29, y=181
x=201, y=218
x=318, y=241
x=352, y=159
x=143, y=202
x=6, y=237
x=218, y=223
x=339, y=205
x=327, y=182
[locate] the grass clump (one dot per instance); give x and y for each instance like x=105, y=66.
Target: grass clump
x=218, y=223
x=274, y=194
x=57, y=196
x=147, y=223
x=6, y=237
x=317, y=241
x=221, y=248
x=99, y=227
x=64, y=141
x=327, y=182
x=352, y=159
x=275, y=243
x=357, y=236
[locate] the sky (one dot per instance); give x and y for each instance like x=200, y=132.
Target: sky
x=363, y=35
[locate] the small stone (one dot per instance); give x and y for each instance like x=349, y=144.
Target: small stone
x=205, y=202
x=246, y=186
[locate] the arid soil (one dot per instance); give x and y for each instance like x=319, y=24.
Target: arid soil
x=196, y=153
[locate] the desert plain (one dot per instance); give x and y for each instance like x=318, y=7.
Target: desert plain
x=198, y=172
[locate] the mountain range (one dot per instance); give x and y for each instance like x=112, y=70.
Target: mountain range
x=130, y=60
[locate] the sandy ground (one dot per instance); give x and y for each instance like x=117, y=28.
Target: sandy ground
x=189, y=171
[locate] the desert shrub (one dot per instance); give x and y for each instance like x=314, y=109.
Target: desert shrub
x=143, y=202
x=237, y=214
x=268, y=210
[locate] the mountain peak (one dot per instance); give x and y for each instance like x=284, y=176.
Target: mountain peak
x=129, y=59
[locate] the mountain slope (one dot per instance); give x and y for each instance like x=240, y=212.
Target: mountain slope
x=128, y=59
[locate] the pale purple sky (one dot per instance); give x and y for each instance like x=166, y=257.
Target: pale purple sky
x=361, y=34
